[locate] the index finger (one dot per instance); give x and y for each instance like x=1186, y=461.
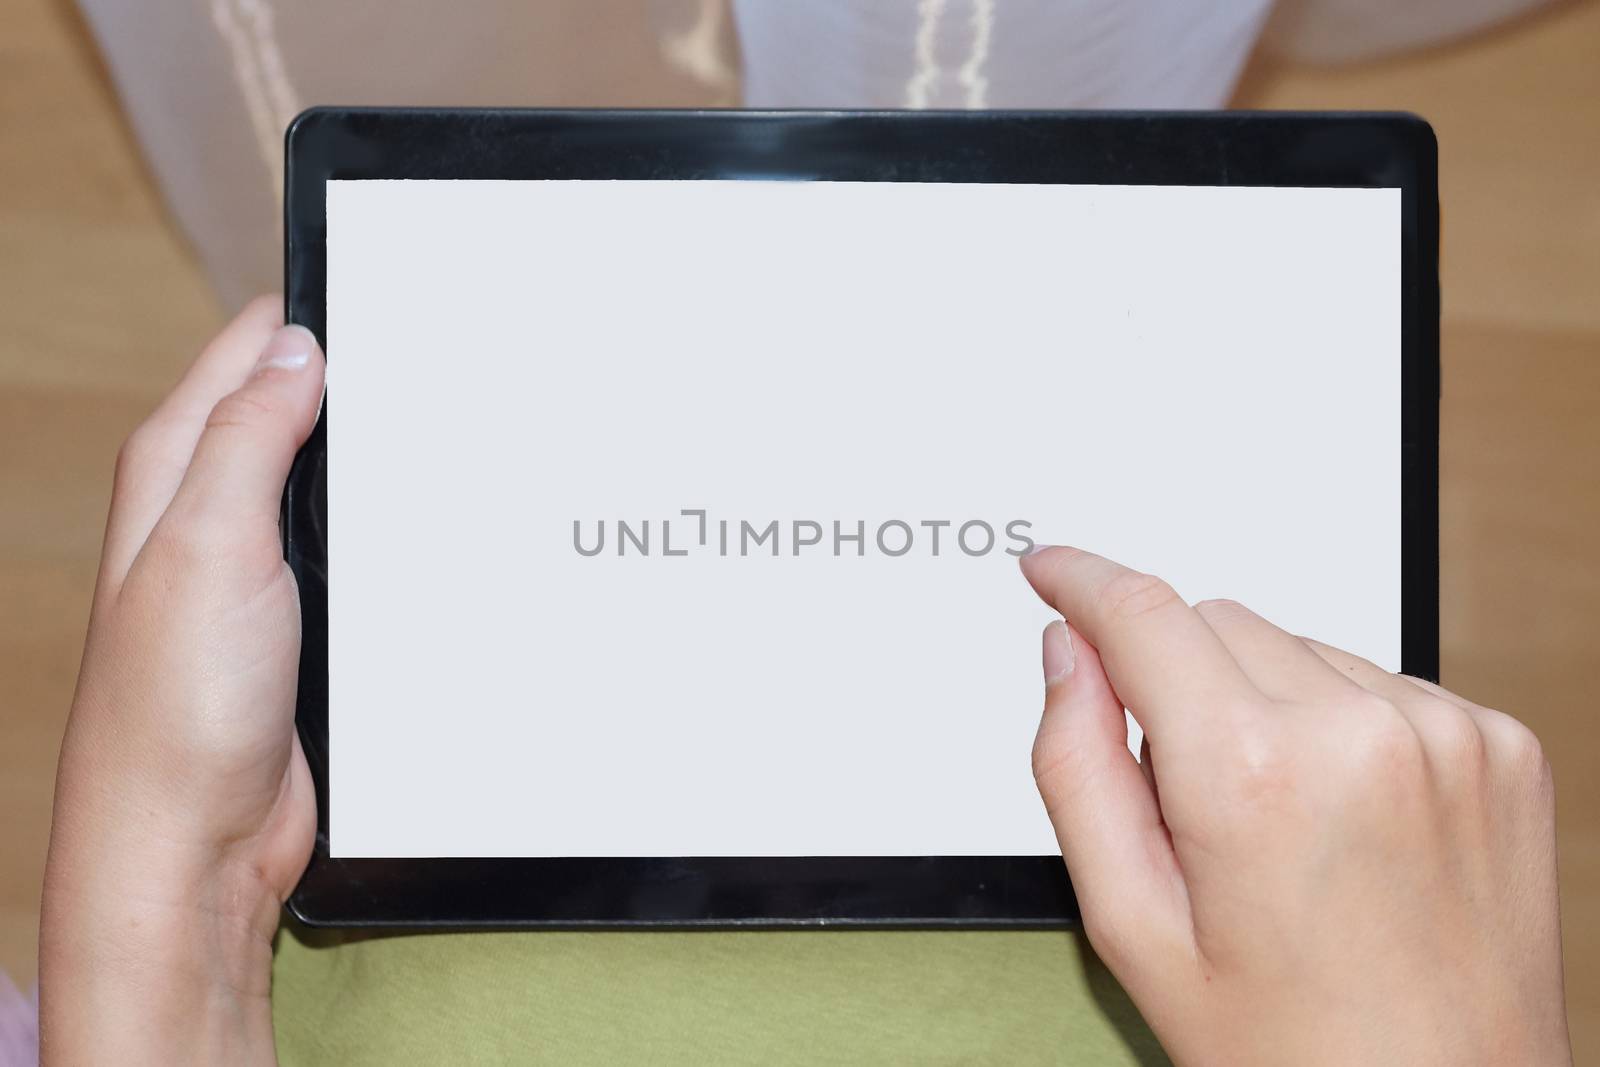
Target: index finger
x=1167, y=666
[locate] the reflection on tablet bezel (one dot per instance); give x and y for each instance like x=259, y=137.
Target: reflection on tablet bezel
x=1125, y=148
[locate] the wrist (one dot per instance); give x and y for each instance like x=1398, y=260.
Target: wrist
x=137, y=1012
x=147, y=960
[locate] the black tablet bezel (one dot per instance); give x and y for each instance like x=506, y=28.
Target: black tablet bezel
x=1126, y=148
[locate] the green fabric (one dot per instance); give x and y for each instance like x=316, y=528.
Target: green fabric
x=808, y=996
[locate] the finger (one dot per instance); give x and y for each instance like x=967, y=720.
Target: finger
x=1417, y=695
x=1504, y=738
x=1456, y=734
x=250, y=438
x=1441, y=692
x=224, y=364
x=1163, y=660
x=153, y=461
x=1397, y=689
x=1105, y=815
x=1277, y=662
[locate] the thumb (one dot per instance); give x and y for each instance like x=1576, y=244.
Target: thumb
x=1118, y=853
x=251, y=436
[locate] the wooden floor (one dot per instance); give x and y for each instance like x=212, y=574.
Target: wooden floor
x=101, y=305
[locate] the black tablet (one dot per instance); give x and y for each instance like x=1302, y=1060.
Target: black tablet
x=658, y=542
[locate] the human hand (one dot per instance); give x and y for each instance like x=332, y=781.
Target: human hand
x=184, y=810
x=1318, y=862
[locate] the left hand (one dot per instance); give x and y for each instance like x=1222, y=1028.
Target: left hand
x=184, y=810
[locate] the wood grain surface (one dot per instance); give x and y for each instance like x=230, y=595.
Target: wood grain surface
x=101, y=306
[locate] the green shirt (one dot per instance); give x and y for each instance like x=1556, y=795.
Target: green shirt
x=702, y=997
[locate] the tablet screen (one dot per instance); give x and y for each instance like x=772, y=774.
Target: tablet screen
x=681, y=518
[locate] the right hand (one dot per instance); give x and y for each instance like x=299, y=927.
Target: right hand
x=1319, y=862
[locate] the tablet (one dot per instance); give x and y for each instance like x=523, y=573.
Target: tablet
x=657, y=545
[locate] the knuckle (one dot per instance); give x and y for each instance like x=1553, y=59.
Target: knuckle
x=1110, y=934
x=128, y=464
x=1365, y=706
x=1262, y=771
x=1055, y=770
x=1131, y=594
x=1218, y=609
x=1043, y=759
x=1544, y=782
x=1520, y=746
x=139, y=451
x=1387, y=752
x=1460, y=742
x=247, y=408
x=190, y=538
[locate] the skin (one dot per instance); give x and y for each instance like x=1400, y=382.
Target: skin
x=184, y=811
x=1317, y=862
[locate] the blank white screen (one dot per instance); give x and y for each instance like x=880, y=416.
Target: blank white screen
x=1200, y=382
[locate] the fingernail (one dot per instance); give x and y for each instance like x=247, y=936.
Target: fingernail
x=1035, y=550
x=289, y=349
x=1059, y=657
